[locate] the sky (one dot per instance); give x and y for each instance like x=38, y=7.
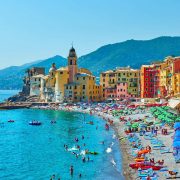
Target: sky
x=39, y=29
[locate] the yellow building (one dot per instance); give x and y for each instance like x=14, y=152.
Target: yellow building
x=168, y=76
x=70, y=84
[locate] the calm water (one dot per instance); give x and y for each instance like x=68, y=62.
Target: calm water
x=37, y=152
x=4, y=94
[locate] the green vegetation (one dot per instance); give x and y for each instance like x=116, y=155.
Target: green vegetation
x=132, y=52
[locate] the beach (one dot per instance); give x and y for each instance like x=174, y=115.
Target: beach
x=125, y=145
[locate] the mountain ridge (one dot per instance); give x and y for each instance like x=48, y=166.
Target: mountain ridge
x=131, y=52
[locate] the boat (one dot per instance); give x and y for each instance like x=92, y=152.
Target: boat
x=35, y=123
x=10, y=120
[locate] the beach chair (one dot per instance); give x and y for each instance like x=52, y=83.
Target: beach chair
x=152, y=178
x=165, y=150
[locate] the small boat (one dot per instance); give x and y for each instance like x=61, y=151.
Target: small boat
x=35, y=123
x=11, y=120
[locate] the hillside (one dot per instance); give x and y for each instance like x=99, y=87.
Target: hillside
x=132, y=52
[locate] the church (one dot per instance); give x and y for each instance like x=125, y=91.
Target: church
x=68, y=84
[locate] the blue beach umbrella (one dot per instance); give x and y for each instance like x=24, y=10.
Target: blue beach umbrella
x=177, y=134
x=176, y=144
x=177, y=125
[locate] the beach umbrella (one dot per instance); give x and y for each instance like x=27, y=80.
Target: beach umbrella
x=176, y=138
x=177, y=133
x=177, y=125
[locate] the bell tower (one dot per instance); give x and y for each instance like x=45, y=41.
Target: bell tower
x=72, y=64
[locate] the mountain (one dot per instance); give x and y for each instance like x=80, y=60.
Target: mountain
x=131, y=52
x=11, y=77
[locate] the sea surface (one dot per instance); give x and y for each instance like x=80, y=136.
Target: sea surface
x=5, y=94
x=37, y=152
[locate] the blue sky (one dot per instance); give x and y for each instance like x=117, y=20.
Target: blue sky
x=38, y=29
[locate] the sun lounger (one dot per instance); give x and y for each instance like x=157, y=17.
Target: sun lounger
x=152, y=178
x=165, y=150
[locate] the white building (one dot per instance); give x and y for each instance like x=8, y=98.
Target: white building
x=35, y=85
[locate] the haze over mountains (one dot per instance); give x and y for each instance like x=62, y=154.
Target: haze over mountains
x=132, y=52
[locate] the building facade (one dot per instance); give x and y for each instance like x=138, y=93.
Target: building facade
x=120, y=83
x=27, y=84
x=150, y=77
x=67, y=84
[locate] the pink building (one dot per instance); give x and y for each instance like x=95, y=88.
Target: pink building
x=121, y=90
x=110, y=93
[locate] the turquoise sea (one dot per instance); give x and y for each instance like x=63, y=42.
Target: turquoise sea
x=37, y=152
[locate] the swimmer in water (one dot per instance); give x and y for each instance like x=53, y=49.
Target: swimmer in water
x=71, y=170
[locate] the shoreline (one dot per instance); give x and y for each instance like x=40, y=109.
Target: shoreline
x=118, y=128
x=105, y=111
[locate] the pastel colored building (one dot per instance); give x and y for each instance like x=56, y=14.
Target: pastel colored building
x=122, y=90
x=122, y=82
x=176, y=77
x=169, y=76
x=35, y=85
x=28, y=76
x=69, y=84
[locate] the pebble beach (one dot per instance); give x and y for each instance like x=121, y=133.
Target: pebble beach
x=106, y=112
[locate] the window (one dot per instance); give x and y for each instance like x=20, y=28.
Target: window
x=35, y=79
x=69, y=87
x=83, y=78
x=75, y=87
x=77, y=78
x=71, y=62
x=84, y=86
x=61, y=72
